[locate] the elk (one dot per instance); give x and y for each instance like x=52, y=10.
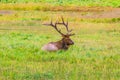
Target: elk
x=62, y=44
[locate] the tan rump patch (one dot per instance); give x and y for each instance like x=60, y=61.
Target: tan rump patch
x=49, y=47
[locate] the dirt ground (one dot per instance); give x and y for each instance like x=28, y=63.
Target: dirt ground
x=86, y=12
x=113, y=13
x=6, y=12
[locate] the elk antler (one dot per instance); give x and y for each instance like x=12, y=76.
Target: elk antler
x=54, y=26
x=61, y=23
x=65, y=24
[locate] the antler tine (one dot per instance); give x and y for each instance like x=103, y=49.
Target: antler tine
x=71, y=34
x=55, y=26
x=66, y=25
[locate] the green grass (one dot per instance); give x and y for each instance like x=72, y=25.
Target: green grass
x=115, y=3
x=95, y=55
x=57, y=5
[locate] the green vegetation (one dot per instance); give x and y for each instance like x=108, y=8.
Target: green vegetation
x=95, y=55
x=114, y=3
x=55, y=4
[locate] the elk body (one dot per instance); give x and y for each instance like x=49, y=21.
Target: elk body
x=62, y=44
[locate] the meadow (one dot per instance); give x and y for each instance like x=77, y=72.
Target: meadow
x=57, y=5
x=94, y=56
x=111, y=3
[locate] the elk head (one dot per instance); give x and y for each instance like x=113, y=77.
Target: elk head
x=64, y=43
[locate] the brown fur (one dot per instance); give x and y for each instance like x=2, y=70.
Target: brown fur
x=67, y=42
x=62, y=44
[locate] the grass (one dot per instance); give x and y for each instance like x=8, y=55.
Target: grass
x=39, y=16
x=70, y=2
x=57, y=5
x=95, y=55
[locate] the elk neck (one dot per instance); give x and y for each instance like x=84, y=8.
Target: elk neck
x=61, y=44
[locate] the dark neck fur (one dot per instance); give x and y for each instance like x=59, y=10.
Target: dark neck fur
x=61, y=44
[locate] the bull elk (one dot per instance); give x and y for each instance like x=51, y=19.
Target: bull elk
x=62, y=44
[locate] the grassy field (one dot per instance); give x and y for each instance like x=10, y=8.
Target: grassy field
x=56, y=5
x=95, y=55
x=113, y=3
